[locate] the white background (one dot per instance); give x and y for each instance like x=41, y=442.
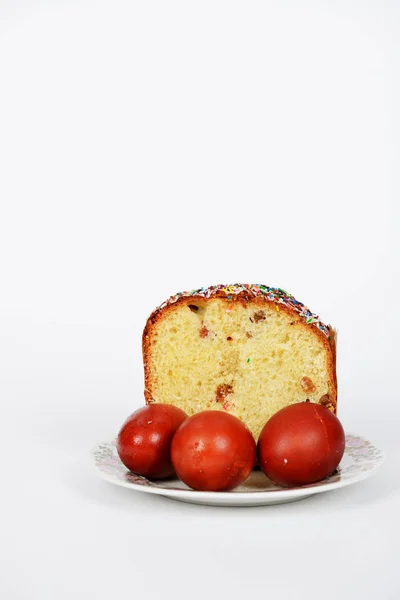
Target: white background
x=150, y=147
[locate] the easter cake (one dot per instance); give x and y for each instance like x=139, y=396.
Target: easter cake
x=246, y=349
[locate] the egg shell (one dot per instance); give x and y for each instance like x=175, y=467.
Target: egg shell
x=213, y=451
x=144, y=441
x=301, y=444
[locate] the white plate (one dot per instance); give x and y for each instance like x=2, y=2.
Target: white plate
x=360, y=460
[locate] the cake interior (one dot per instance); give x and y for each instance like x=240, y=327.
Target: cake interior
x=247, y=359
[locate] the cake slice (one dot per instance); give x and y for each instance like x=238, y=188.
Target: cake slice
x=245, y=349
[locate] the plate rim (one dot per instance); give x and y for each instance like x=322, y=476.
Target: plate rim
x=229, y=496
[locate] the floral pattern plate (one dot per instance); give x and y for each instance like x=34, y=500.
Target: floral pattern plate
x=359, y=461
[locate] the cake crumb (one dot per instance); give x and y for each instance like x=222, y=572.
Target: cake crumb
x=326, y=401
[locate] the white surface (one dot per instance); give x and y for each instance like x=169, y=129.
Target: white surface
x=151, y=147
x=361, y=459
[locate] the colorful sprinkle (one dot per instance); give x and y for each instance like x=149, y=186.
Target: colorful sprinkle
x=248, y=360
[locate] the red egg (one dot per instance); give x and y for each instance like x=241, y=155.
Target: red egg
x=144, y=441
x=301, y=444
x=213, y=451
